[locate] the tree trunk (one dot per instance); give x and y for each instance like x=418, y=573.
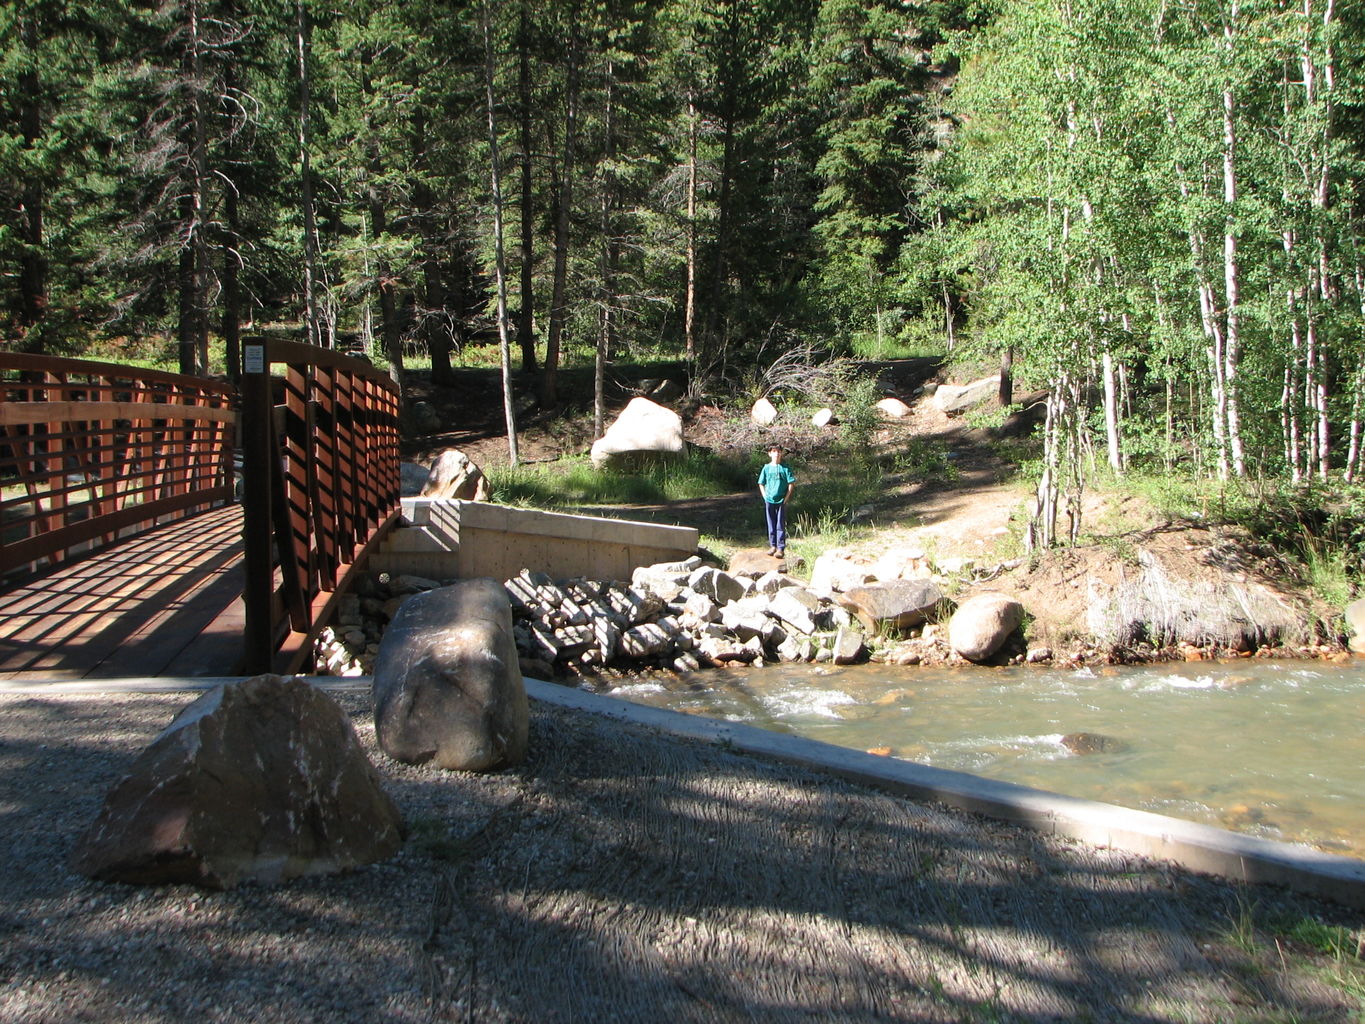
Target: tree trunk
x=559, y=310
x=499, y=257
x=690, y=300
x=435, y=318
x=526, y=319
x=33, y=297
x=232, y=297
x=1111, y=414
x=312, y=314
x=1232, y=313
x=1006, y=395
x=199, y=183
x=606, y=259
x=187, y=307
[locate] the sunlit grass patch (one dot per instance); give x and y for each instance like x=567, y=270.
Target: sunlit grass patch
x=578, y=482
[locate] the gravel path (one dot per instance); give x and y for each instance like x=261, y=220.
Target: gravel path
x=622, y=876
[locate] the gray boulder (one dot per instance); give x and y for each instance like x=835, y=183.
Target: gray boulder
x=262, y=780
x=983, y=623
x=703, y=608
x=647, y=640
x=743, y=622
x=848, y=647
x=958, y=398
x=643, y=430
x=1092, y=743
x=447, y=687
x=719, y=586
x=764, y=413
x=797, y=607
x=455, y=476
x=771, y=582
x=666, y=584
x=1355, y=622
x=895, y=605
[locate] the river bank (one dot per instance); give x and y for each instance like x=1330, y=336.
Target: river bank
x=622, y=875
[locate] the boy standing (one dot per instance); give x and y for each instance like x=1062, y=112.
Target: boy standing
x=775, y=483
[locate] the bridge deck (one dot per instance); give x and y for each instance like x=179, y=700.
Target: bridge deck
x=167, y=602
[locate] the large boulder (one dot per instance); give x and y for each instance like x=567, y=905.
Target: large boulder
x=958, y=398
x=262, y=780
x=983, y=623
x=753, y=562
x=643, y=430
x=764, y=413
x=893, y=408
x=1355, y=623
x=447, y=687
x=454, y=475
x=895, y=605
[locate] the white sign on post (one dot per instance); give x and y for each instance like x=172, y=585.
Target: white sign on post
x=253, y=359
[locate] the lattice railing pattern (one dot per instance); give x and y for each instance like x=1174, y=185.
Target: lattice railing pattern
x=334, y=422
x=91, y=452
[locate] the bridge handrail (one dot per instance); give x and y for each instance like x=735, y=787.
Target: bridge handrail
x=91, y=452
x=331, y=442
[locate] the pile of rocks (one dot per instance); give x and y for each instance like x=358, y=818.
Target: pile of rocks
x=681, y=615
x=690, y=614
x=349, y=646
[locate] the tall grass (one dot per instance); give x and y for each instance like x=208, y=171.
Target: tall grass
x=577, y=482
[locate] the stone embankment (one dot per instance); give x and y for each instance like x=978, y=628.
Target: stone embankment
x=691, y=614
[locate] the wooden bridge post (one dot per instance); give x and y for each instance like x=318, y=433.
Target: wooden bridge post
x=258, y=449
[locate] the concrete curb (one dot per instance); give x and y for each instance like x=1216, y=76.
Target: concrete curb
x=1199, y=848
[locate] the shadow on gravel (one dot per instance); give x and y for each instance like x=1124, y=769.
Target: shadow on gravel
x=635, y=879
x=622, y=876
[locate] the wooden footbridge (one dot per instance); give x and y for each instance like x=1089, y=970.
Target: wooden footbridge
x=158, y=524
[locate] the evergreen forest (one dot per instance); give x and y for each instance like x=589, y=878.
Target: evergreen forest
x=1153, y=211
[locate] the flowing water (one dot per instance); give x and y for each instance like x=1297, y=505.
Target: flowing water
x=1270, y=748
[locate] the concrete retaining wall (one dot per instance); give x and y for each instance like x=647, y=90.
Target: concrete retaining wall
x=469, y=539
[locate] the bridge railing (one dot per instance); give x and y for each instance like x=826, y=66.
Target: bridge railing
x=327, y=428
x=93, y=452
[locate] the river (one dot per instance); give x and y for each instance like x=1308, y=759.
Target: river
x=1270, y=748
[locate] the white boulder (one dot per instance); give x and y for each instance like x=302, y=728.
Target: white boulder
x=644, y=428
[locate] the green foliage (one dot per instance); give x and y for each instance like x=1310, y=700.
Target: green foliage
x=923, y=459
x=576, y=482
x=858, y=416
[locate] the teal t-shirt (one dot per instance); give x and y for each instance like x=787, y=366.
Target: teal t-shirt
x=776, y=480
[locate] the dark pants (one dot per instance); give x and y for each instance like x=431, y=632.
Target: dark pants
x=777, y=523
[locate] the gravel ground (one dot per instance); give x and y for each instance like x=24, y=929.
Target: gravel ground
x=620, y=875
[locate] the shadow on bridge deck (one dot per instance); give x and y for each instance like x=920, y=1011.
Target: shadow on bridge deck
x=168, y=602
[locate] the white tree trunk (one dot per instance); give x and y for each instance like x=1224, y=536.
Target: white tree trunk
x=1232, y=346
x=499, y=257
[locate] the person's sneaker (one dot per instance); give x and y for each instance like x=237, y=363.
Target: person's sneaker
x=781, y=552
x=772, y=551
